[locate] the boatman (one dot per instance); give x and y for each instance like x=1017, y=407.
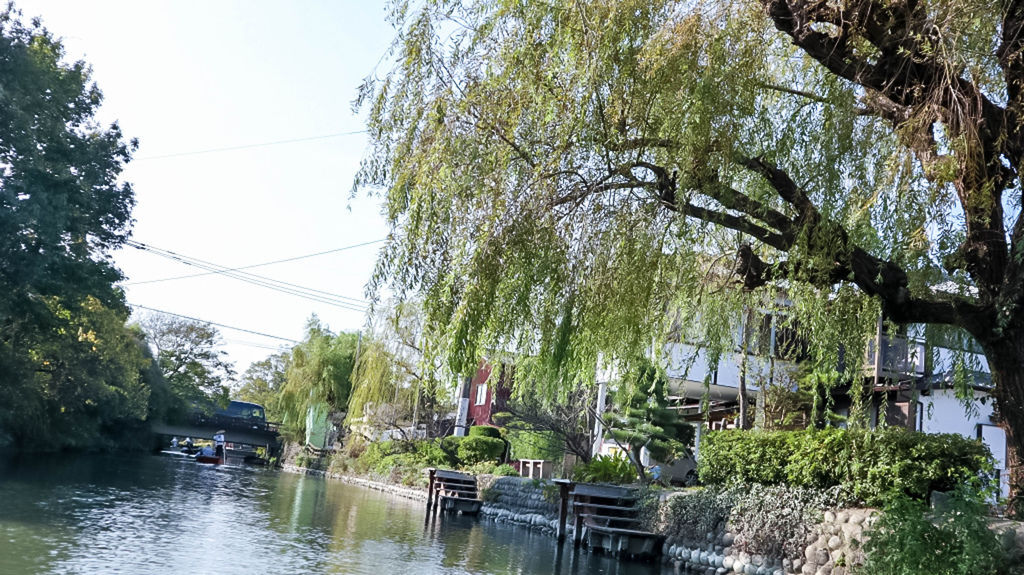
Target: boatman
x=218, y=441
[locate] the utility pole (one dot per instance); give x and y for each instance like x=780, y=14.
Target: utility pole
x=602, y=400
x=463, y=413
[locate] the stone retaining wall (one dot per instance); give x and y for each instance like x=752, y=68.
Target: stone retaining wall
x=520, y=501
x=831, y=549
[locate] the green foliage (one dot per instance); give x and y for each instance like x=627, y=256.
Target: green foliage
x=318, y=373
x=873, y=466
x=71, y=374
x=768, y=520
x=191, y=360
x=573, y=182
x=262, y=383
x=606, y=469
x=398, y=365
x=505, y=470
x=953, y=539
x=690, y=515
x=491, y=468
x=535, y=445
x=484, y=431
x=473, y=450
x=641, y=417
x=402, y=461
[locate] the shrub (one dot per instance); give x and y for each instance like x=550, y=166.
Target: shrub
x=872, y=465
x=402, y=461
x=746, y=456
x=506, y=470
x=690, y=515
x=954, y=540
x=450, y=445
x=484, y=431
x=535, y=445
x=767, y=520
x=472, y=450
x=606, y=469
x=354, y=447
x=491, y=468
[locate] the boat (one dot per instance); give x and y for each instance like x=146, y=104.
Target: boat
x=212, y=459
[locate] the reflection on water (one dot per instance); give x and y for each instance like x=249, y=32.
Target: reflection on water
x=153, y=514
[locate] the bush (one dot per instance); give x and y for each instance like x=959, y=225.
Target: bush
x=472, y=450
x=484, y=431
x=402, y=461
x=505, y=470
x=606, y=469
x=767, y=520
x=954, y=540
x=873, y=466
x=535, y=445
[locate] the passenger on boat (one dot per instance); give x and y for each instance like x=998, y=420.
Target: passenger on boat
x=218, y=441
x=174, y=442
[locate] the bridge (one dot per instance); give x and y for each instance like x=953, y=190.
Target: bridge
x=236, y=430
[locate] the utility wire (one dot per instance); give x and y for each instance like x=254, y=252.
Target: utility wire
x=341, y=249
x=289, y=340
x=248, y=146
x=319, y=296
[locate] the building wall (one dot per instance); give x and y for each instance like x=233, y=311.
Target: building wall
x=687, y=363
x=493, y=391
x=480, y=413
x=942, y=412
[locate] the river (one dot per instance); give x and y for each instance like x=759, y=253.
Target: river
x=141, y=514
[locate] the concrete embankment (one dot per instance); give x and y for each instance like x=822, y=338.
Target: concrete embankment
x=414, y=493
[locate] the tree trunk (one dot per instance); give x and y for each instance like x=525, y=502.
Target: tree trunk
x=635, y=457
x=741, y=420
x=1006, y=362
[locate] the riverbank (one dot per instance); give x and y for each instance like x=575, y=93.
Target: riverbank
x=771, y=541
x=414, y=493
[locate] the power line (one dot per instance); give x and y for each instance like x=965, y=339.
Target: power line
x=225, y=326
x=341, y=249
x=253, y=344
x=248, y=146
x=311, y=294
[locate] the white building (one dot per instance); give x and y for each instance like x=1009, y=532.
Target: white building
x=910, y=384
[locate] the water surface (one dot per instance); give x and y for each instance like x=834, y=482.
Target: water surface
x=155, y=514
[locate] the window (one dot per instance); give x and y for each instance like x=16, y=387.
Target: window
x=481, y=394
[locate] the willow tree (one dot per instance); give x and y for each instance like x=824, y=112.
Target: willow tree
x=318, y=376
x=562, y=177
x=398, y=367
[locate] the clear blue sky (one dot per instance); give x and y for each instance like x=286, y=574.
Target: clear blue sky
x=184, y=77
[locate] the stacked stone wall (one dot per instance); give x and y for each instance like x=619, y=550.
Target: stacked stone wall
x=520, y=501
x=832, y=548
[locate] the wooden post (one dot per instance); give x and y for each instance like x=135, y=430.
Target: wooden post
x=577, y=530
x=563, y=505
x=430, y=489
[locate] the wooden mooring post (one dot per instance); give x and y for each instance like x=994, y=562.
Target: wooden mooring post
x=564, y=487
x=430, y=490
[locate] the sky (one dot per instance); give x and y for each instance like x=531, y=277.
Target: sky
x=186, y=77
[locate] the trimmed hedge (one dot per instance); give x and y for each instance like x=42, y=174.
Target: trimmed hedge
x=872, y=465
x=473, y=450
x=484, y=431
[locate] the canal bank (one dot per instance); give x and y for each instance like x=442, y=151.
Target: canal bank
x=700, y=536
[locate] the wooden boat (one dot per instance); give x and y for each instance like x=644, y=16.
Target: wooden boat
x=212, y=459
